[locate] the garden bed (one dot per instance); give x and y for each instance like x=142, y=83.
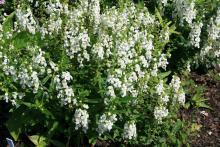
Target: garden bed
x=207, y=121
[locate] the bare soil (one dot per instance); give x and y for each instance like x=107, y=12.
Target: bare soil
x=209, y=134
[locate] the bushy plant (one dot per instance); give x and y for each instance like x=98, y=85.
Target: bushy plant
x=197, y=22
x=89, y=69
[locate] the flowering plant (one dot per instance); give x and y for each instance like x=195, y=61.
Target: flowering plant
x=85, y=69
x=197, y=22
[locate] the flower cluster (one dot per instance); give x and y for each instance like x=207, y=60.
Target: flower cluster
x=81, y=119
x=106, y=122
x=195, y=34
x=159, y=88
x=211, y=45
x=65, y=92
x=130, y=131
x=175, y=83
x=185, y=10
x=26, y=20
x=179, y=95
x=213, y=29
x=160, y=113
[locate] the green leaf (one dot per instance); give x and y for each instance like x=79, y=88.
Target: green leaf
x=91, y=101
x=22, y=118
x=159, y=17
x=187, y=105
x=29, y=105
x=195, y=127
x=203, y=105
x=15, y=134
x=177, y=126
x=116, y=134
x=164, y=74
x=39, y=141
x=21, y=39
x=15, y=123
x=44, y=81
x=92, y=141
x=123, y=100
x=53, y=128
x=8, y=23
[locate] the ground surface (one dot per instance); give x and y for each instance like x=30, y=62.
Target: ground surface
x=209, y=134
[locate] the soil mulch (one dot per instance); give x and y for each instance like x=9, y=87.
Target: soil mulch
x=209, y=134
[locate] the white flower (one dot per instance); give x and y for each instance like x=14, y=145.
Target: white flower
x=165, y=99
x=124, y=90
x=181, y=98
x=205, y=50
x=160, y=113
x=175, y=83
x=164, y=2
x=65, y=92
x=99, y=50
x=217, y=53
x=110, y=92
x=26, y=20
x=66, y=76
x=35, y=81
x=195, y=34
x=39, y=59
x=163, y=61
x=130, y=130
x=185, y=10
x=159, y=88
x=85, y=106
x=69, y=92
x=6, y=97
x=81, y=119
x=154, y=70
x=188, y=67
x=95, y=12
x=13, y=102
x=106, y=122
x=53, y=66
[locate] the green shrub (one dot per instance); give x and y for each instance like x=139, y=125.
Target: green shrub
x=89, y=69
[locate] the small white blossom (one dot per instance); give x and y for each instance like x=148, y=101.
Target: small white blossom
x=159, y=88
x=26, y=20
x=106, y=122
x=164, y=2
x=81, y=119
x=160, y=113
x=66, y=76
x=175, y=83
x=163, y=61
x=195, y=34
x=165, y=99
x=185, y=10
x=181, y=97
x=130, y=131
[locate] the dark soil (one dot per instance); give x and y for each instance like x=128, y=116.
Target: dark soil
x=209, y=134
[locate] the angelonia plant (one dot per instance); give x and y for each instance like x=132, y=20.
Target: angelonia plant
x=85, y=69
x=197, y=22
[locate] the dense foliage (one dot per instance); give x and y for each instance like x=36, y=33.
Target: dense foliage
x=90, y=69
